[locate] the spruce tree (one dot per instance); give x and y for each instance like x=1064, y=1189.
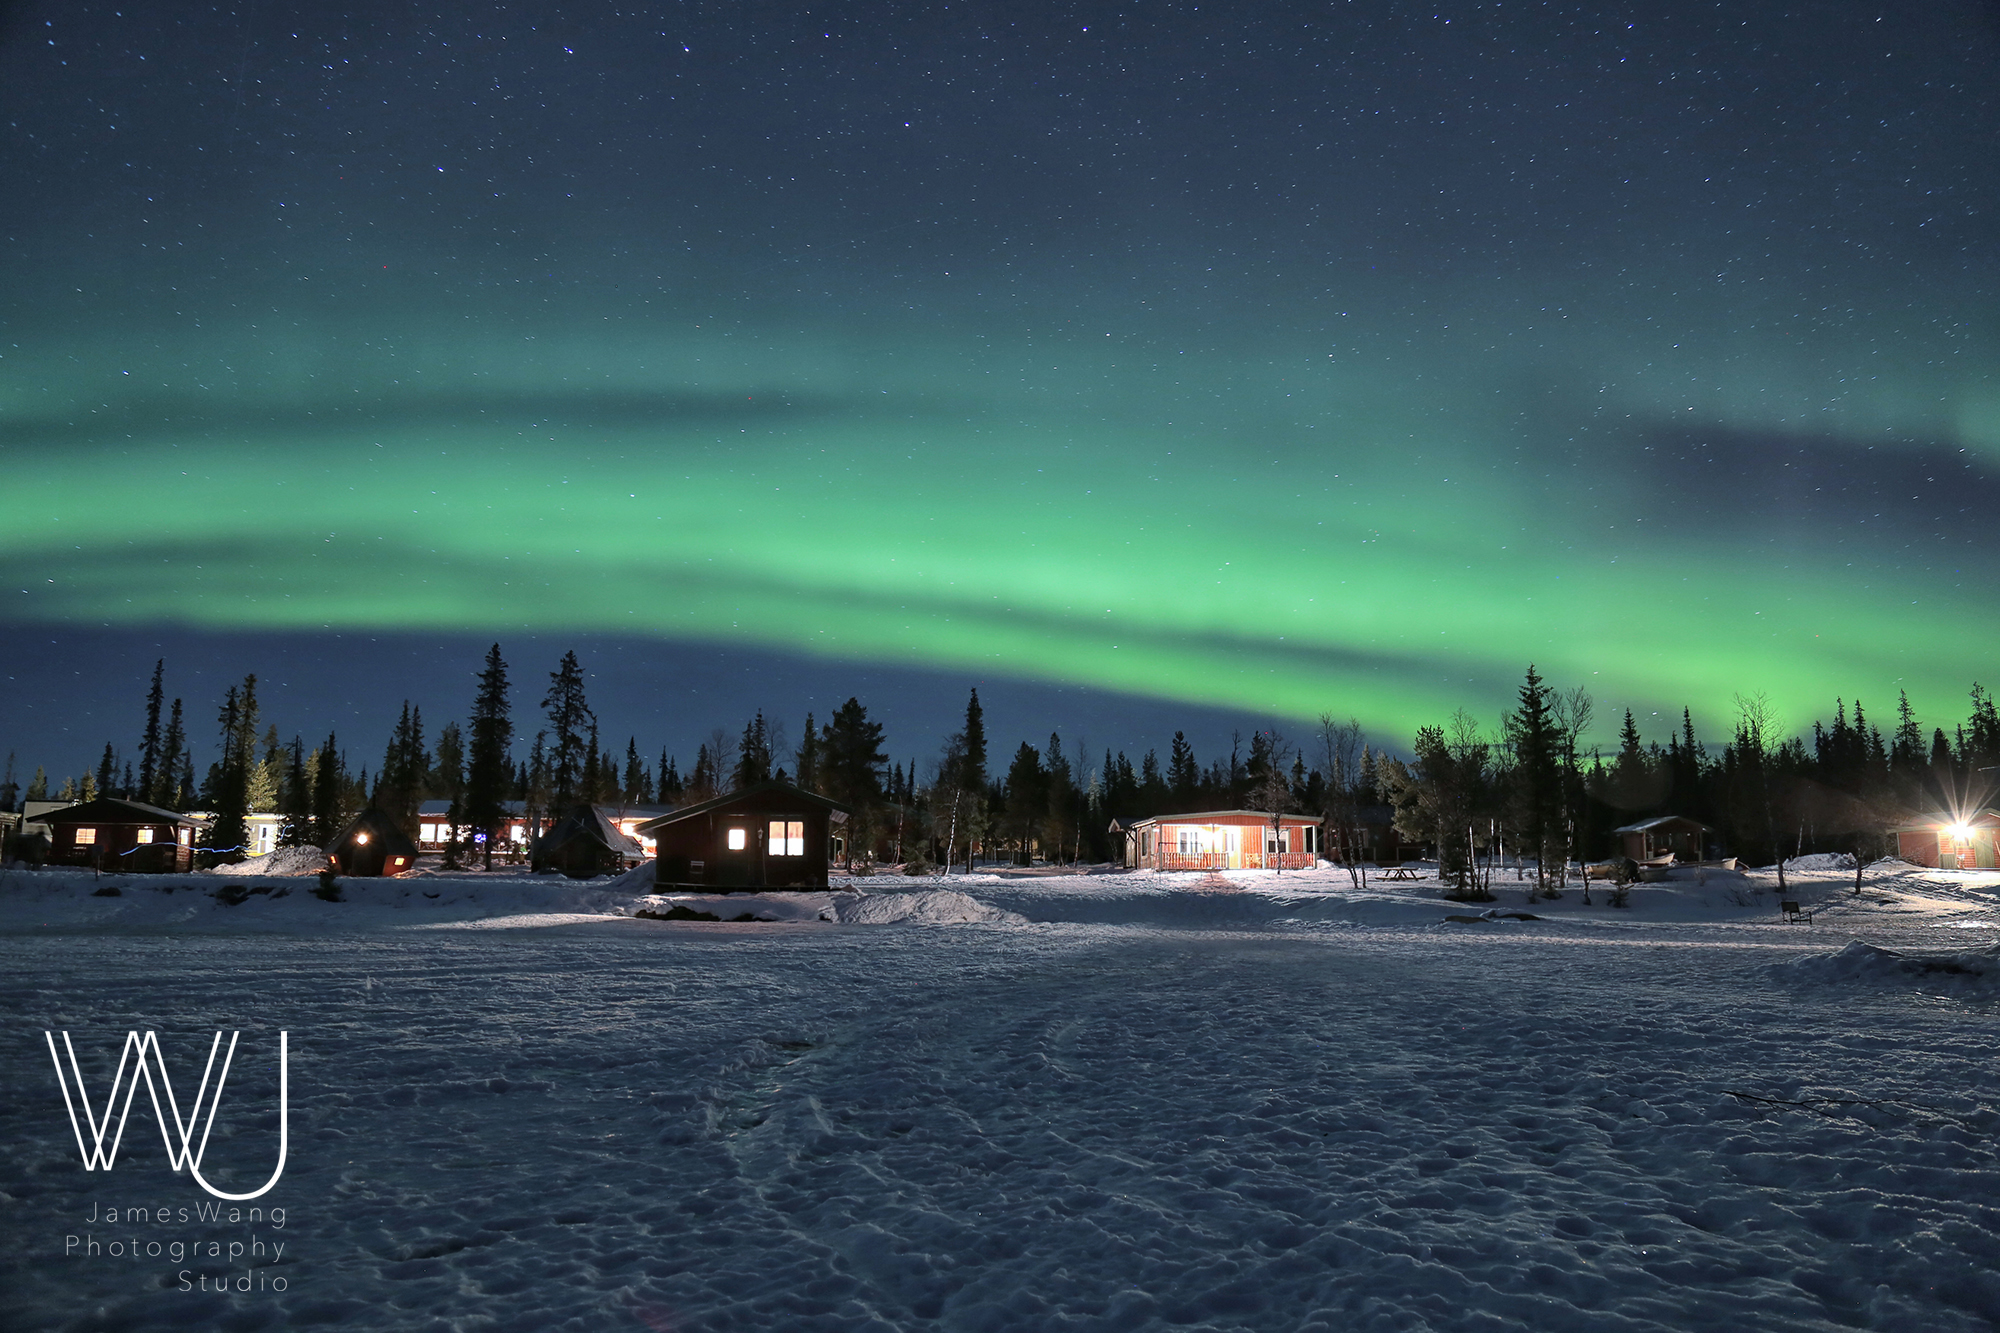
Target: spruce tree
x=753, y=754
x=569, y=721
x=107, y=771
x=853, y=765
x=295, y=801
x=805, y=759
x=328, y=798
x=1532, y=734
x=10, y=786
x=149, y=743
x=166, y=791
x=635, y=787
x=489, y=769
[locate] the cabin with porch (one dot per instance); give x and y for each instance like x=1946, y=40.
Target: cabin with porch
x=1220, y=840
x=1951, y=842
x=1665, y=835
x=770, y=836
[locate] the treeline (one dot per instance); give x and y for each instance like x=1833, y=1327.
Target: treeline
x=1465, y=795
x=1471, y=796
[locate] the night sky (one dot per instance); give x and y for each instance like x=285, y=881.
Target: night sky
x=1150, y=366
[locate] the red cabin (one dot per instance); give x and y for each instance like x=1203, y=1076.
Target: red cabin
x=1222, y=840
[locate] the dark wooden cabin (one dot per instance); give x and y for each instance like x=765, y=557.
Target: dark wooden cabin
x=1650, y=839
x=372, y=844
x=116, y=835
x=771, y=836
x=584, y=844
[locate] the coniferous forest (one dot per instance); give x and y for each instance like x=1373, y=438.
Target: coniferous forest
x=1466, y=791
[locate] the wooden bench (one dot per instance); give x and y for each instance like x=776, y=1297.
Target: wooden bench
x=1793, y=912
x=1401, y=872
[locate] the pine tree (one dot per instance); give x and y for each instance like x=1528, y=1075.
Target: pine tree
x=670, y=788
x=107, y=771
x=295, y=802
x=166, y=791
x=1060, y=824
x=10, y=786
x=329, y=811
x=635, y=787
x=569, y=717
x=38, y=786
x=149, y=743
x=753, y=754
x=489, y=768
x=1183, y=773
x=805, y=760
x=1532, y=735
x=852, y=768
x=229, y=787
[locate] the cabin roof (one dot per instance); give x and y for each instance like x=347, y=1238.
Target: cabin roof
x=1984, y=817
x=1659, y=821
x=1217, y=816
x=748, y=796
x=589, y=822
x=114, y=810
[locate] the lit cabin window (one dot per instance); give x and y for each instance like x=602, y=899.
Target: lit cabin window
x=788, y=837
x=361, y=838
x=145, y=835
x=739, y=838
x=1187, y=842
x=430, y=832
x=85, y=836
x=181, y=836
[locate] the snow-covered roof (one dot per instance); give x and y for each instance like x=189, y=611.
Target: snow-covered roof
x=1659, y=820
x=1218, y=816
x=747, y=796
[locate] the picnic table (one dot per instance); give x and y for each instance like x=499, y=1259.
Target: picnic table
x=1401, y=872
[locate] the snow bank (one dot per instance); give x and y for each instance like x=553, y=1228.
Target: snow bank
x=286, y=861
x=1821, y=861
x=932, y=907
x=1865, y=963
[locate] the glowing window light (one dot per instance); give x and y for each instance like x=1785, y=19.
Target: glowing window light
x=361, y=838
x=738, y=839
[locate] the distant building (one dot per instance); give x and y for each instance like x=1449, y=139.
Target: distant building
x=1650, y=839
x=112, y=834
x=1945, y=842
x=372, y=844
x=584, y=844
x=770, y=836
x=434, y=825
x=1221, y=840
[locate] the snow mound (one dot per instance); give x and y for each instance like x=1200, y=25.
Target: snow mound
x=1822, y=861
x=930, y=907
x=284, y=861
x=637, y=880
x=1860, y=962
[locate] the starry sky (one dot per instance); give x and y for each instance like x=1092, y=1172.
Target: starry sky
x=1152, y=366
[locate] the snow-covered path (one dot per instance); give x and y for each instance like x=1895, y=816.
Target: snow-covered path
x=649, y=1126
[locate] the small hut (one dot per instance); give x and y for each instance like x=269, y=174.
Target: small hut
x=584, y=844
x=1951, y=842
x=372, y=844
x=111, y=834
x=1665, y=835
x=770, y=836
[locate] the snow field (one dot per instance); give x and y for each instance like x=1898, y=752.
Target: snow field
x=1234, y=1106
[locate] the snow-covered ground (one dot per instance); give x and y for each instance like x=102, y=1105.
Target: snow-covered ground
x=1242, y=1101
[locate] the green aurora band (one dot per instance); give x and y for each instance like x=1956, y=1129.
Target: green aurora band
x=1358, y=507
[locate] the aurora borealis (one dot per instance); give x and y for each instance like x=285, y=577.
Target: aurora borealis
x=1341, y=357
